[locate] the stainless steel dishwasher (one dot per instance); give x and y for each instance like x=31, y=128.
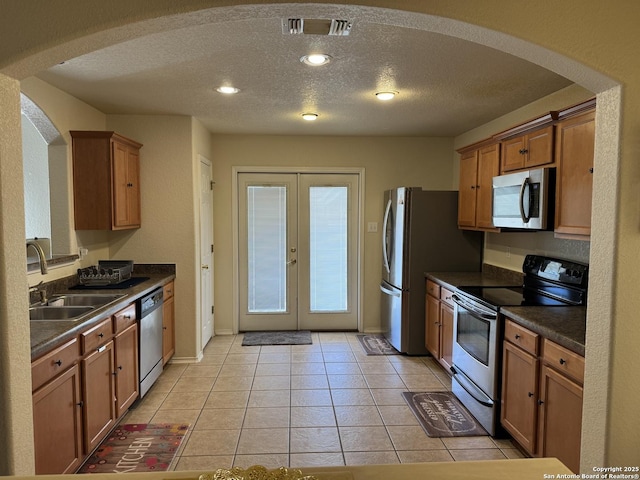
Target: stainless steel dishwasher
x=150, y=342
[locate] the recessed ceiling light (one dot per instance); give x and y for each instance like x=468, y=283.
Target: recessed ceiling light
x=385, y=96
x=227, y=90
x=316, y=59
x=310, y=117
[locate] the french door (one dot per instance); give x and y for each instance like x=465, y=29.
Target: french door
x=298, y=249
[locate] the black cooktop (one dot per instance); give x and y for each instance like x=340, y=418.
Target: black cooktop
x=496, y=296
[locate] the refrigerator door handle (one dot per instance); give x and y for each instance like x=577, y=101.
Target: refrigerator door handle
x=385, y=253
x=389, y=292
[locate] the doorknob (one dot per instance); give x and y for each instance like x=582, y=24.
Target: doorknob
x=291, y=262
x=205, y=267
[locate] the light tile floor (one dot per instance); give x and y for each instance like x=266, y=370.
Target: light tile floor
x=303, y=405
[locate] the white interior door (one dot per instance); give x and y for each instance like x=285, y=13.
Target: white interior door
x=206, y=250
x=298, y=249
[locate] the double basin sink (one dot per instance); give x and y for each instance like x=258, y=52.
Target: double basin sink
x=70, y=307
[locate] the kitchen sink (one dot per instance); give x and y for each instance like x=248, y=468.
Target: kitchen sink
x=48, y=313
x=83, y=300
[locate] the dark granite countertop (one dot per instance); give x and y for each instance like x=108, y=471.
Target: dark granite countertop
x=46, y=335
x=565, y=326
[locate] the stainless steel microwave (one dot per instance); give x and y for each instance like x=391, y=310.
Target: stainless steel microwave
x=524, y=200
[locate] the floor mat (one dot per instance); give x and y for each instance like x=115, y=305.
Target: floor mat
x=143, y=447
x=297, y=337
x=376, y=345
x=442, y=415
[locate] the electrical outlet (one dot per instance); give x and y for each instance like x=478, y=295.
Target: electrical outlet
x=372, y=227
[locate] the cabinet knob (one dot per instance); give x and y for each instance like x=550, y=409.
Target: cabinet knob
x=591, y=170
x=562, y=361
x=80, y=404
x=530, y=394
x=128, y=317
x=540, y=402
x=164, y=328
x=473, y=187
x=517, y=336
x=101, y=335
x=58, y=362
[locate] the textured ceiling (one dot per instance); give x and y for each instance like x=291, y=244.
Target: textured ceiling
x=446, y=85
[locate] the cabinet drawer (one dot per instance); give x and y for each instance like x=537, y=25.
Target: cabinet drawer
x=167, y=290
x=51, y=364
x=445, y=296
x=563, y=360
x=96, y=336
x=433, y=289
x=124, y=318
x=524, y=338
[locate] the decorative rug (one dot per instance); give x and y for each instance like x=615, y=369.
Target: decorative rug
x=294, y=337
x=142, y=447
x=376, y=345
x=442, y=415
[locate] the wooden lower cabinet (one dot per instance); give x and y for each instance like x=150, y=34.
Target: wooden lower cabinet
x=57, y=424
x=99, y=395
x=126, y=368
x=560, y=423
x=542, y=396
x=168, y=323
x=519, y=394
x=439, y=324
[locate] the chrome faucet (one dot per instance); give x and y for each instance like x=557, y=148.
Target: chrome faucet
x=41, y=256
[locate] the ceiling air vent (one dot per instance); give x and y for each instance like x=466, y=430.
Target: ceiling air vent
x=312, y=26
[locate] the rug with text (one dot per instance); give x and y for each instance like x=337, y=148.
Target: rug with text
x=376, y=345
x=442, y=415
x=142, y=447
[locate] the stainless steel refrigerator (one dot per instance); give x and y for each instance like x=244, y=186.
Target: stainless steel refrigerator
x=419, y=234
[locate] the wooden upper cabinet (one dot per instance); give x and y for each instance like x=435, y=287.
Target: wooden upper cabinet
x=467, y=189
x=475, y=203
x=106, y=181
x=574, y=182
x=527, y=151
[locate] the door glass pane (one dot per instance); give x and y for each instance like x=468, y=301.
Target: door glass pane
x=267, y=249
x=328, y=216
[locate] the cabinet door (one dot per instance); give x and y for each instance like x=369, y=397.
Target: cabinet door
x=126, y=362
x=432, y=327
x=467, y=189
x=126, y=189
x=512, y=157
x=168, y=329
x=560, y=424
x=488, y=167
x=99, y=395
x=574, y=182
x=519, y=395
x=539, y=148
x=446, y=335
x=57, y=424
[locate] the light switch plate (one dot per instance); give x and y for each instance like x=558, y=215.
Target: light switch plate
x=372, y=227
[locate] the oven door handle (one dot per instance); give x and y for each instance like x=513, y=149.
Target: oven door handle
x=474, y=310
x=461, y=379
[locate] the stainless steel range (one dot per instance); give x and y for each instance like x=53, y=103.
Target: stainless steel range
x=478, y=328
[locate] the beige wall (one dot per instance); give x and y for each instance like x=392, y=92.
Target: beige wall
x=589, y=41
x=388, y=162
x=167, y=234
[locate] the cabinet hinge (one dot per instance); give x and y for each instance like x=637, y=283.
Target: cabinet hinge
x=212, y=248
x=212, y=309
x=211, y=184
